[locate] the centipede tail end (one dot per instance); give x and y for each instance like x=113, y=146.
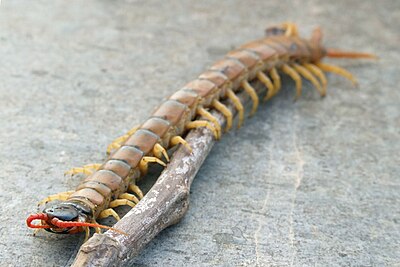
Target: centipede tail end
x=336, y=53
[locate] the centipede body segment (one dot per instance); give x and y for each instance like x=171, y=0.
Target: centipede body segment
x=113, y=182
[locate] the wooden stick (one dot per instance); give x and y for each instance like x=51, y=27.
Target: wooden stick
x=164, y=205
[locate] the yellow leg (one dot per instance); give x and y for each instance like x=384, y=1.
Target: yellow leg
x=87, y=169
x=144, y=163
x=291, y=29
x=276, y=79
x=60, y=196
x=253, y=95
x=308, y=75
x=295, y=76
x=159, y=151
x=268, y=83
x=117, y=143
x=129, y=197
x=97, y=229
x=36, y=231
x=319, y=73
x=207, y=115
x=135, y=189
x=109, y=212
x=121, y=202
x=87, y=234
x=176, y=140
x=337, y=70
x=133, y=130
x=200, y=123
x=225, y=111
x=238, y=105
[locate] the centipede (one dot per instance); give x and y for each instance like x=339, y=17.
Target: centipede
x=113, y=183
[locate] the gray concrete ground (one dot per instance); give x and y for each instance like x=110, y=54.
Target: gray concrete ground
x=311, y=183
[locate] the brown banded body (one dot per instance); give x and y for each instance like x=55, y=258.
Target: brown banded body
x=113, y=182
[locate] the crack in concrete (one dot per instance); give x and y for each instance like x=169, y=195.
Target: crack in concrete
x=298, y=175
x=257, y=232
x=262, y=212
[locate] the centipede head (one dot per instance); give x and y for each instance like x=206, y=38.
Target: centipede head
x=65, y=218
x=61, y=218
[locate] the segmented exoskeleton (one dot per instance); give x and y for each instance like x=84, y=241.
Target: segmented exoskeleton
x=107, y=185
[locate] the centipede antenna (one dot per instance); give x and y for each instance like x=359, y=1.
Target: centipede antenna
x=335, y=53
x=38, y=216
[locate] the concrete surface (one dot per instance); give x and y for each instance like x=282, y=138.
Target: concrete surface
x=311, y=183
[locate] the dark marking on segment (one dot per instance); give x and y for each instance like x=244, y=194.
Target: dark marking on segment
x=187, y=97
x=265, y=52
x=216, y=77
x=129, y=154
x=104, y=190
x=108, y=178
x=248, y=59
x=143, y=139
x=203, y=88
x=121, y=168
x=90, y=194
x=171, y=110
x=280, y=49
x=229, y=67
x=158, y=126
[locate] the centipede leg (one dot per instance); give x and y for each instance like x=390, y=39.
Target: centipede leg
x=308, y=75
x=276, y=79
x=253, y=95
x=117, y=143
x=159, y=151
x=60, y=196
x=176, y=140
x=86, y=169
x=36, y=231
x=317, y=72
x=130, y=197
x=238, y=105
x=97, y=229
x=144, y=163
x=202, y=112
x=337, y=70
x=225, y=111
x=109, y=212
x=135, y=189
x=295, y=76
x=121, y=202
x=291, y=29
x=288, y=29
x=268, y=83
x=87, y=234
x=201, y=123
